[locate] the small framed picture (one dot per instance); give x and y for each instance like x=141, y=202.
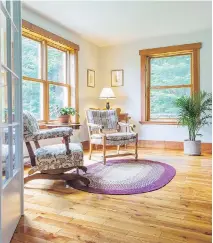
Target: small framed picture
x=90, y=78
x=117, y=78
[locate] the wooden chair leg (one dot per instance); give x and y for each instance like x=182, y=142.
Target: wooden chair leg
x=136, y=147
x=104, y=149
x=66, y=141
x=90, y=150
x=118, y=149
x=31, y=153
x=37, y=144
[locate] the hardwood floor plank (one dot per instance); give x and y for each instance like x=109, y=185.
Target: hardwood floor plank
x=42, y=234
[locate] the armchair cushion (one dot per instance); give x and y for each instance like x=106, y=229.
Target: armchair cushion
x=50, y=133
x=119, y=138
x=55, y=157
x=30, y=123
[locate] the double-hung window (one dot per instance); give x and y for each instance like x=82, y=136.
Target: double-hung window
x=48, y=71
x=167, y=73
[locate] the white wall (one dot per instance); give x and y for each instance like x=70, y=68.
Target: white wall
x=128, y=97
x=88, y=59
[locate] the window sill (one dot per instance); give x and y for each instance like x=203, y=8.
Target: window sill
x=42, y=126
x=158, y=122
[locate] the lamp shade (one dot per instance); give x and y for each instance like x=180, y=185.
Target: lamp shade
x=107, y=93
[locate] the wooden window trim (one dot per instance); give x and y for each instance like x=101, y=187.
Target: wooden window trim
x=46, y=39
x=146, y=54
x=28, y=27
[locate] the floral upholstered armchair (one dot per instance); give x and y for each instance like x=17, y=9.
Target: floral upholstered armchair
x=54, y=160
x=104, y=129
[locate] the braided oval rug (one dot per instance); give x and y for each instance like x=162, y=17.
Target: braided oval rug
x=126, y=176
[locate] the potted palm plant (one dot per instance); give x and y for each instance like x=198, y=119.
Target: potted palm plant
x=65, y=113
x=194, y=112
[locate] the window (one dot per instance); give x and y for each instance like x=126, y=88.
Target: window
x=48, y=67
x=44, y=92
x=166, y=74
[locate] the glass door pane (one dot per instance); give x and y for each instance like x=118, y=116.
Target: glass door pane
x=9, y=156
x=8, y=38
x=3, y=39
x=15, y=142
x=4, y=2
x=7, y=113
x=3, y=97
x=5, y=155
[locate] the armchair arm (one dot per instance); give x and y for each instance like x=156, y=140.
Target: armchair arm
x=50, y=133
x=93, y=126
x=130, y=126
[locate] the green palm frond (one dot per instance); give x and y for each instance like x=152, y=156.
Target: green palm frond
x=195, y=112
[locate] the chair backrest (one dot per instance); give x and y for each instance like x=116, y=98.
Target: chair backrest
x=107, y=118
x=30, y=124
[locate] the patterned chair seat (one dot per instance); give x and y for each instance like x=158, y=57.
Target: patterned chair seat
x=118, y=138
x=55, y=157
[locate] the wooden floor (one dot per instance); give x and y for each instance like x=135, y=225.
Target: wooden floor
x=178, y=213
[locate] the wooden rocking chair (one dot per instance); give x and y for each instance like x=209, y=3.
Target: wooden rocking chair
x=51, y=162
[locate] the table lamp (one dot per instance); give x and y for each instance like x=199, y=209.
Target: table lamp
x=107, y=94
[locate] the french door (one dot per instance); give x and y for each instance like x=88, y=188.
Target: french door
x=11, y=136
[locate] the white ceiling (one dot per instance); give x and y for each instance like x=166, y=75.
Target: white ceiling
x=110, y=23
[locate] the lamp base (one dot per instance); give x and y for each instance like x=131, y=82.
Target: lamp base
x=107, y=106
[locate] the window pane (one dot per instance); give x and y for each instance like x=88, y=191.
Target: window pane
x=33, y=98
x=31, y=52
x=162, y=102
x=58, y=96
x=56, y=65
x=172, y=70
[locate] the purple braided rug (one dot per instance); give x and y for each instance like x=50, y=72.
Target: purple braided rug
x=126, y=176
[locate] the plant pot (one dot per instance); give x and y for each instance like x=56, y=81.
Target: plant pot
x=192, y=147
x=64, y=119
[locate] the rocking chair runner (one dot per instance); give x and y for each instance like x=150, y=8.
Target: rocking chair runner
x=52, y=161
x=104, y=129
